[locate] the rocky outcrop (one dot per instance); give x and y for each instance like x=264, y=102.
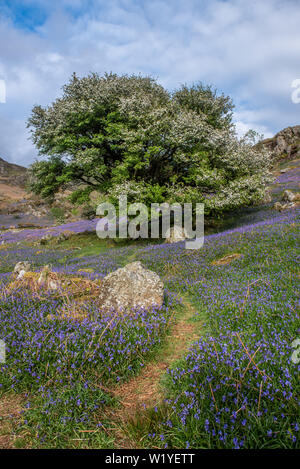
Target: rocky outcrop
x=285, y=144
x=130, y=287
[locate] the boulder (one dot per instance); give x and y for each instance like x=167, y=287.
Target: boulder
x=175, y=234
x=288, y=196
x=21, y=268
x=132, y=286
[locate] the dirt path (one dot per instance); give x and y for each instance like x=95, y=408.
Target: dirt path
x=144, y=390
x=10, y=411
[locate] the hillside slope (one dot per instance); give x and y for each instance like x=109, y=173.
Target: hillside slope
x=12, y=174
x=236, y=387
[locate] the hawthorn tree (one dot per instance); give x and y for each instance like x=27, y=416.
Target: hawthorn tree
x=128, y=135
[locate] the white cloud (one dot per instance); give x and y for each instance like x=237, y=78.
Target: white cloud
x=250, y=50
x=243, y=127
x=15, y=146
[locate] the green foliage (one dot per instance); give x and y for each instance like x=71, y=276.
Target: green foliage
x=88, y=212
x=45, y=176
x=204, y=99
x=81, y=196
x=58, y=213
x=127, y=134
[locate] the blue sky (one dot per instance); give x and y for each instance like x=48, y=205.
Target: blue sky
x=249, y=50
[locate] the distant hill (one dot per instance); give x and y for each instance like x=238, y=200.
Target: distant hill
x=285, y=144
x=12, y=174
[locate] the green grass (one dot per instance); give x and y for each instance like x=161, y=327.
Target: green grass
x=255, y=296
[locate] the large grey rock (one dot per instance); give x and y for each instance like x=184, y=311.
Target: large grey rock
x=132, y=286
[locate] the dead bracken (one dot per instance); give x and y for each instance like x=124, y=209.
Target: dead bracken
x=227, y=259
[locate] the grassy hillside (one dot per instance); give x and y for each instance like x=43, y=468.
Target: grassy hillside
x=212, y=368
x=10, y=169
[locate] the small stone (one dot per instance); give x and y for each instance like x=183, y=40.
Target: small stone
x=21, y=268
